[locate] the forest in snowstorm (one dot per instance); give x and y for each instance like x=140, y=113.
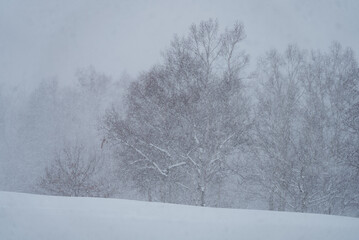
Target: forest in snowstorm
x=208, y=125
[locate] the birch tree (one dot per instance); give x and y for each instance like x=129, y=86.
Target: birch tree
x=301, y=133
x=186, y=115
x=276, y=124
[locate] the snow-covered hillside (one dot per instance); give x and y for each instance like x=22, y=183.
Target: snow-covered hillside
x=26, y=216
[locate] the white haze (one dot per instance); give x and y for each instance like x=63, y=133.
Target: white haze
x=41, y=39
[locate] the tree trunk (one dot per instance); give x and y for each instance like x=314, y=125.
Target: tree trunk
x=203, y=203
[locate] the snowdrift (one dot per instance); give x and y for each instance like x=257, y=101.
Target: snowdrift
x=35, y=217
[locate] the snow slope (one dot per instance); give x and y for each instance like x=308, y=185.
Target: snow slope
x=26, y=216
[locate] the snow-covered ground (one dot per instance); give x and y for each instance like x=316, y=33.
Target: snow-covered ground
x=35, y=217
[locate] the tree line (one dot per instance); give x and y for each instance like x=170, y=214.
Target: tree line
x=199, y=128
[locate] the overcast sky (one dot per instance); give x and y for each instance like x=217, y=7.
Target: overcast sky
x=41, y=39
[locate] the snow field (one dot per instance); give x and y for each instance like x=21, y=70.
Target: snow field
x=36, y=217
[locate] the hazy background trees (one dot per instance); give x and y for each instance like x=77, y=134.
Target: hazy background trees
x=52, y=117
x=196, y=128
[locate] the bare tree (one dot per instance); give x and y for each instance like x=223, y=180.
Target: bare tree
x=186, y=115
x=73, y=172
x=349, y=151
x=301, y=135
x=276, y=122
